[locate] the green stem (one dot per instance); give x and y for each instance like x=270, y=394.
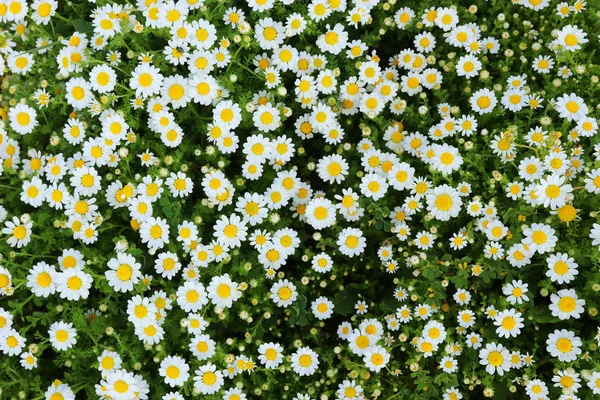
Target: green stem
x=247, y=69
x=57, y=15
x=93, y=60
x=40, y=48
x=128, y=89
x=21, y=305
x=33, y=255
x=233, y=58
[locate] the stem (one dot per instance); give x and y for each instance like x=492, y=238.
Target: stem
x=21, y=305
x=33, y=255
x=234, y=57
x=45, y=119
x=109, y=64
x=57, y=15
x=128, y=89
x=247, y=69
x=40, y=48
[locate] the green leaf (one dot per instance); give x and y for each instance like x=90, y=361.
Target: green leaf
x=82, y=26
x=298, y=312
x=345, y=300
x=542, y=316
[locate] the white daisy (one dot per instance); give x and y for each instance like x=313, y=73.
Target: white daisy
x=305, y=361
x=62, y=335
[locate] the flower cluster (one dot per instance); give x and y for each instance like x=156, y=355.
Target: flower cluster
x=324, y=199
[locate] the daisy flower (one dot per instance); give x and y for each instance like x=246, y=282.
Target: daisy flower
x=22, y=118
x=230, y=231
x=443, y=202
x=62, y=335
x=509, y=323
x=141, y=311
x=121, y=384
x=146, y=80
x=44, y=11
x=20, y=63
x=571, y=107
x=174, y=370
x=305, y=361
x=373, y=185
x=333, y=168
x=566, y=304
x=109, y=361
x=59, y=391
x=376, y=357
x=228, y=114
x=564, y=345
x=539, y=238
x=322, y=308
x=33, y=192
x=333, y=40
x=253, y=208
x=266, y=118
x=483, y=101
x=351, y=242
x=223, y=292
x=514, y=99
x=552, y=191
x=349, y=390
x=426, y=347
x=78, y=93
x=42, y=279
x=269, y=33
x=320, y=213
x=180, y=185
x=424, y=240
x=468, y=66
x=11, y=342
x=283, y=293
x=154, y=232
x=570, y=37
x=207, y=379
x=86, y=181
x=124, y=272
x=191, y=296
x=446, y=159
x=176, y=90
x=202, y=346
x=103, y=78
x=73, y=284
x=516, y=292
x=561, y=268
x=270, y=355
x=495, y=358
x=543, y=64
x=28, y=361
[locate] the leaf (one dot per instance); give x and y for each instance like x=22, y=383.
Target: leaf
x=387, y=226
x=298, y=312
x=82, y=26
x=345, y=300
x=501, y=391
x=542, y=316
x=167, y=207
x=258, y=333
